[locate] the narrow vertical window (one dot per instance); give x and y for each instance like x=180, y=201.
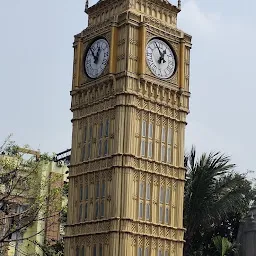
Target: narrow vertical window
x=103, y=188
x=83, y=153
x=99, y=148
x=101, y=131
x=97, y=210
x=150, y=131
x=89, y=151
x=163, y=153
x=169, y=155
x=77, y=251
x=144, y=128
x=169, y=136
x=141, y=190
x=101, y=250
x=160, y=253
x=141, y=210
x=148, y=191
x=161, y=195
x=163, y=134
x=106, y=148
x=102, y=209
x=107, y=128
x=86, y=211
x=148, y=211
x=97, y=190
x=85, y=133
x=143, y=146
x=167, y=215
x=81, y=192
x=83, y=251
x=150, y=149
x=80, y=212
x=147, y=252
x=161, y=214
x=95, y=250
x=168, y=196
x=90, y=133
x=140, y=251
x=166, y=253
x=86, y=192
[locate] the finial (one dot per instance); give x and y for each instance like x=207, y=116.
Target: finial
x=86, y=6
x=179, y=4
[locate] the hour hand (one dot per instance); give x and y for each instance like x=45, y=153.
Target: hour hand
x=96, y=59
x=98, y=53
x=164, y=52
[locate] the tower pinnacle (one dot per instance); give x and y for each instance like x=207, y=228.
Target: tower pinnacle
x=179, y=4
x=86, y=6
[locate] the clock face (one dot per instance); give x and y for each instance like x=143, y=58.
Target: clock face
x=160, y=58
x=96, y=58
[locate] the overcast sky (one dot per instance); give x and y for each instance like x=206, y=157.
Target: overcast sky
x=36, y=67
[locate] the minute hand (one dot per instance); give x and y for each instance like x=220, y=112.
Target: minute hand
x=158, y=49
x=93, y=55
x=161, y=55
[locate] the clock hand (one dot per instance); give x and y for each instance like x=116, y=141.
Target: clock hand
x=164, y=52
x=93, y=55
x=98, y=53
x=97, y=56
x=161, y=55
x=158, y=49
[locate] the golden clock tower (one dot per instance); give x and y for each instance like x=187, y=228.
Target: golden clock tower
x=130, y=99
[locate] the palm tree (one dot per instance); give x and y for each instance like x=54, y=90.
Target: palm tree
x=224, y=247
x=213, y=190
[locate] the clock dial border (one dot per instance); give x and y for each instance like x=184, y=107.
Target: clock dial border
x=173, y=51
x=87, y=49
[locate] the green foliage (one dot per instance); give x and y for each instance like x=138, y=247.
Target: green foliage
x=52, y=248
x=216, y=198
x=26, y=184
x=224, y=247
x=65, y=189
x=64, y=215
x=46, y=157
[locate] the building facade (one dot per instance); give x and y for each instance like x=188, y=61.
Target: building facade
x=247, y=233
x=130, y=99
x=47, y=226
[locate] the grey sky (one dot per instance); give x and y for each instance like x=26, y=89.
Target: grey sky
x=36, y=67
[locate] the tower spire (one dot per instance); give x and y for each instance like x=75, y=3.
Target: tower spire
x=86, y=6
x=179, y=4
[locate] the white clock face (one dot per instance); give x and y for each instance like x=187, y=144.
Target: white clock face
x=96, y=58
x=160, y=58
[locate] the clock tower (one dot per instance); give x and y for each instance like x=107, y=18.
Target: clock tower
x=130, y=98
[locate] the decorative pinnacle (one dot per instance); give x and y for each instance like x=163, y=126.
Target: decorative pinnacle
x=86, y=6
x=179, y=4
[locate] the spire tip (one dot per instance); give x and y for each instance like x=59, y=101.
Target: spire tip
x=179, y=4
x=86, y=6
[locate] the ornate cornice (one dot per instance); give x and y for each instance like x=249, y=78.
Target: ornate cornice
x=131, y=227
x=131, y=162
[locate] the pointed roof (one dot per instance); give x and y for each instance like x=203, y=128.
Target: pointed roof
x=166, y=2
x=163, y=1
x=126, y=4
